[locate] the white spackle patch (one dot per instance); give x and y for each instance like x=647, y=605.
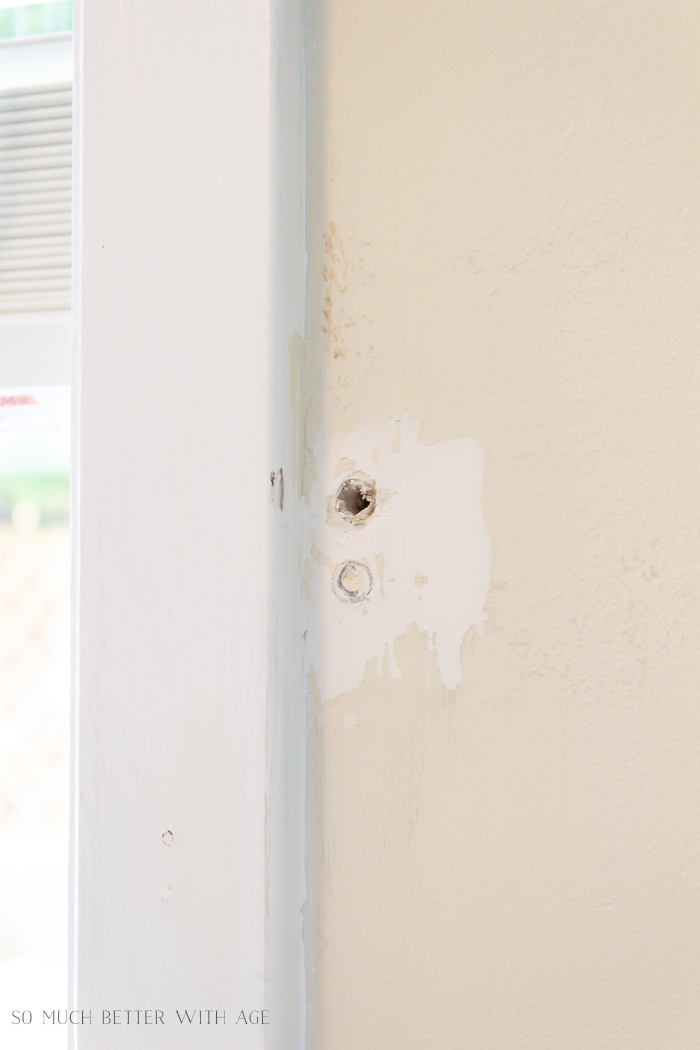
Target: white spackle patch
x=425, y=545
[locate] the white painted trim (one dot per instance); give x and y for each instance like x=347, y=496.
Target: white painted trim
x=287, y=711
x=72, y=989
x=36, y=38
x=188, y=286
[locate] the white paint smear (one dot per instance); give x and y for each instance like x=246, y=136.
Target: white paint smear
x=426, y=547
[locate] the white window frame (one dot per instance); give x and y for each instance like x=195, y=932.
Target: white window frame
x=188, y=717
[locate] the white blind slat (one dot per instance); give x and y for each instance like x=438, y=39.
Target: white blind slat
x=35, y=198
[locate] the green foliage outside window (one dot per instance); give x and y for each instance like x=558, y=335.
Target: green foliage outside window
x=49, y=494
x=35, y=19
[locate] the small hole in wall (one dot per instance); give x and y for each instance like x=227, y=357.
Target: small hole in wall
x=356, y=499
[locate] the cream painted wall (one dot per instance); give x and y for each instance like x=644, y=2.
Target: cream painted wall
x=504, y=203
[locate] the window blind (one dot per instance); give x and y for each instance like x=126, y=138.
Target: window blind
x=35, y=198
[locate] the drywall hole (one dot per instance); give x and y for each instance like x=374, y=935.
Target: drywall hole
x=167, y=838
x=352, y=581
x=356, y=499
x=167, y=895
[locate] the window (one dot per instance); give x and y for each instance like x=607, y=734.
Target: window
x=20, y=20
x=35, y=215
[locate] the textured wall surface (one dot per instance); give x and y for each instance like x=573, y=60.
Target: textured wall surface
x=504, y=206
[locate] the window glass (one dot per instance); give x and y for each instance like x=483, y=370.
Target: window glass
x=34, y=699
x=34, y=19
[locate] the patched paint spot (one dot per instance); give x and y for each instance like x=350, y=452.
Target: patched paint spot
x=425, y=544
